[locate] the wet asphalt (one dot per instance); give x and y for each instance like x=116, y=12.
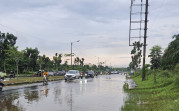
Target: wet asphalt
x=102, y=93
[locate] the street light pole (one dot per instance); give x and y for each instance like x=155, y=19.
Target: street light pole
x=71, y=54
x=71, y=50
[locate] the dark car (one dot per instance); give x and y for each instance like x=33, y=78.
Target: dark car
x=51, y=73
x=90, y=73
x=60, y=73
x=39, y=73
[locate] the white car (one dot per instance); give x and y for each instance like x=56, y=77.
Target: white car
x=72, y=74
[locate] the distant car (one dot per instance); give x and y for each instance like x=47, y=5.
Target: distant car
x=60, y=73
x=39, y=73
x=90, y=73
x=51, y=73
x=114, y=72
x=72, y=74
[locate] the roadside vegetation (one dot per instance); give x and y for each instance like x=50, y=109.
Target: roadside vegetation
x=25, y=64
x=29, y=60
x=149, y=96
x=160, y=89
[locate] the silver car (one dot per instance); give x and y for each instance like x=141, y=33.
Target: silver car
x=72, y=74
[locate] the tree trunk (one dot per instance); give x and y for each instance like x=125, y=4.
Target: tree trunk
x=4, y=65
x=155, y=80
x=40, y=66
x=17, y=70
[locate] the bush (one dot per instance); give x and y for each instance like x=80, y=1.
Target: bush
x=165, y=73
x=176, y=70
x=176, y=82
x=150, y=72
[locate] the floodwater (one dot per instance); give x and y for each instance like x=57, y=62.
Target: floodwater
x=104, y=93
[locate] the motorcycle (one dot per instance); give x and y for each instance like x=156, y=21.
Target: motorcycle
x=45, y=80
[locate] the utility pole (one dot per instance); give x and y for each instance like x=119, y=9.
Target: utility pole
x=71, y=54
x=71, y=51
x=145, y=37
x=136, y=27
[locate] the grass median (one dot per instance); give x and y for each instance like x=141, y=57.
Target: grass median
x=150, y=96
x=28, y=80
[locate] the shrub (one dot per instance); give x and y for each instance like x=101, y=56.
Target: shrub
x=176, y=70
x=165, y=73
x=176, y=82
x=149, y=72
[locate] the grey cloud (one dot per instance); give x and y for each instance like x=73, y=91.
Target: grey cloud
x=101, y=25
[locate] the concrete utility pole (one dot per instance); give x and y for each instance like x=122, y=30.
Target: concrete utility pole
x=145, y=37
x=71, y=54
x=134, y=28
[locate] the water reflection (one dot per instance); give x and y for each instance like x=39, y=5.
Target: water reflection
x=93, y=94
x=7, y=103
x=45, y=91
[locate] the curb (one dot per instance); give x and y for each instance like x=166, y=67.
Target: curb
x=21, y=83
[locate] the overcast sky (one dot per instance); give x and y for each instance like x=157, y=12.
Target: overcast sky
x=102, y=26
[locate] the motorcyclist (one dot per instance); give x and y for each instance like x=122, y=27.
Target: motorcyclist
x=45, y=76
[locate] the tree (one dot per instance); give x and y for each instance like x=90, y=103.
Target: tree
x=94, y=67
x=77, y=61
x=155, y=55
x=136, y=55
x=31, y=56
x=6, y=40
x=65, y=65
x=82, y=61
x=57, y=60
x=47, y=63
x=40, y=61
x=171, y=54
x=16, y=55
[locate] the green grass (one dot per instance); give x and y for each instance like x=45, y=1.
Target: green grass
x=22, y=80
x=147, y=96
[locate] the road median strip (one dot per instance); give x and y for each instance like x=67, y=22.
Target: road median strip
x=29, y=80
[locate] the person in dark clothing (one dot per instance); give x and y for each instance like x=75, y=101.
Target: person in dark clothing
x=12, y=74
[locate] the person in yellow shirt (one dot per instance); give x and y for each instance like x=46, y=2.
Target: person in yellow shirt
x=45, y=73
x=45, y=77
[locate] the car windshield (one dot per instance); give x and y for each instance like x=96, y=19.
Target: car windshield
x=71, y=72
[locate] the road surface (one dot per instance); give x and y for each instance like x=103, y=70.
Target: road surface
x=104, y=93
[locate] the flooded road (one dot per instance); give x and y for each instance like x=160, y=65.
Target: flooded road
x=104, y=93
